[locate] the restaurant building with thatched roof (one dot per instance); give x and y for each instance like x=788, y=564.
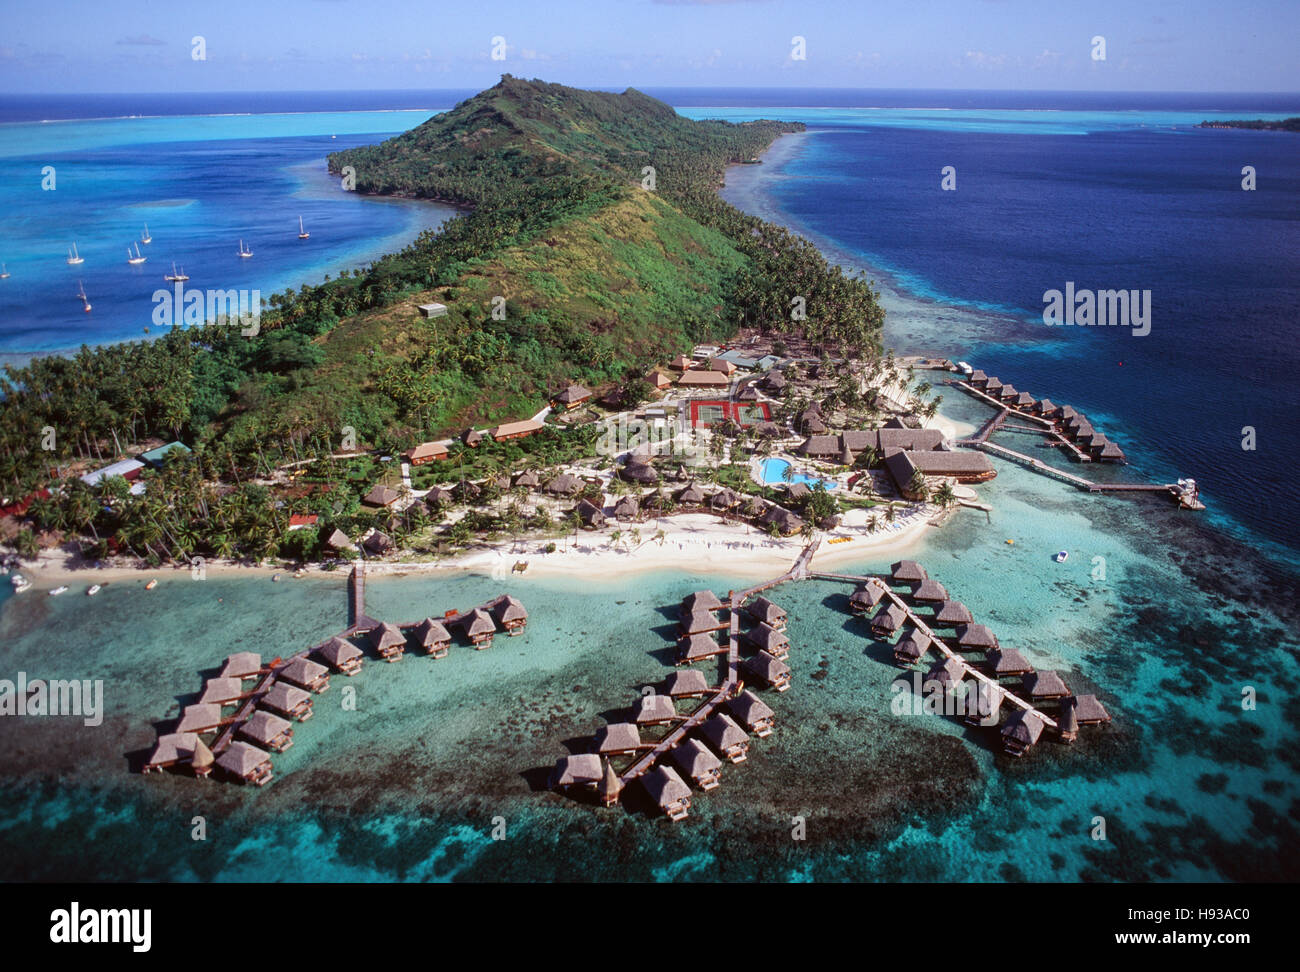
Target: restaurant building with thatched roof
x=752, y=713
x=242, y=664
x=169, y=750
x=1007, y=661
x=769, y=670
x=479, y=628
x=305, y=674
x=865, y=598
x=616, y=739
x=976, y=637
x=698, y=762
x=912, y=647
x=287, y=700
x=1045, y=685
x=952, y=614
x=639, y=471
x=767, y=612
x=669, y=792
x=388, y=641
x=726, y=737
x=654, y=710
x=1022, y=730
x=768, y=639
x=267, y=730
x=341, y=655
x=582, y=769
x=964, y=466
x=685, y=683
x=432, y=638
x=245, y=763
x=697, y=647
x=887, y=620
x=222, y=691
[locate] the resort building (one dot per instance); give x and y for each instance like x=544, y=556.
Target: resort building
x=698, y=762
x=976, y=637
x=865, y=598
x=658, y=380
x=268, y=731
x=952, y=614
x=752, y=713
x=1045, y=685
x=1007, y=662
x=204, y=717
x=668, y=791
x=1022, y=729
x=983, y=703
x=382, y=496
x=471, y=437
x=156, y=457
x=128, y=469
x=947, y=673
x=786, y=522
x=965, y=467
x=426, y=452
x=727, y=738
x=305, y=674
x=907, y=572
x=432, y=638
x=766, y=612
x=388, y=641
x=698, y=647
x=703, y=378
x=479, y=628
x=433, y=310
x=888, y=620
x=572, y=397
x=287, y=700
x=170, y=749
x=768, y=639
x=609, y=788
x=221, y=691
x=685, y=683
x=378, y=543
x=699, y=622
x=516, y=430
x=769, y=670
x=242, y=664
x=616, y=739
x=654, y=710
x=341, y=655
x=699, y=601
x=510, y=613
x=627, y=508
x=246, y=763
x=929, y=592
x=591, y=515
x=565, y=484
x=912, y=648
x=582, y=769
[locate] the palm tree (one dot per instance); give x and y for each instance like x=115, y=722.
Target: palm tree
x=945, y=495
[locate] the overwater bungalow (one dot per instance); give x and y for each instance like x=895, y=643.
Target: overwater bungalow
x=1024, y=401
x=267, y=730
x=668, y=790
x=627, y=508
x=976, y=637
x=479, y=628
x=951, y=614
x=977, y=378
x=432, y=638
x=767, y=612
x=565, y=484
x=1090, y=711
x=685, y=683
x=947, y=672
x=305, y=674
x=992, y=387
x=1109, y=452
x=610, y=786
x=170, y=749
x=930, y=592
x=1021, y=730
x=1047, y=408
x=591, y=515
x=203, y=717
x=699, y=601
x=698, y=762
x=582, y=769
x=1008, y=393
x=242, y=664
x=698, y=647
x=222, y=691
x=1067, y=721
x=246, y=763
x=770, y=670
x=983, y=703
x=752, y=713
x=341, y=655
x=1007, y=661
x=726, y=737
x=865, y=598
x=616, y=739
x=287, y=700
x=510, y=613
x=388, y=641
x=654, y=710
x=887, y=620
x=768, y=639
x=1064, y=413
x=1086, y=439
x=912, y=647
x=907, y=572
x=699, y=622
x=1045, y=685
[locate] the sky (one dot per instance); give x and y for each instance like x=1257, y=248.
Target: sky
x=271, y=45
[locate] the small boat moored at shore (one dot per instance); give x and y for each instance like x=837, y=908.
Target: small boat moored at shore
x=61, y=589
x=151, y=585
x=93, y=589
x=20, y=583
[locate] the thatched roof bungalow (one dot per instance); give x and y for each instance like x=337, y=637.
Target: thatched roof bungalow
x=381, y=495
x=1045, y=685
x=378, y=543
x=686, y=682
x=510, y=613
x=907, y=572
x=527, y=479
x=306, y=674
x=341, y=655
x=246, y=763
x=767, y=612
x=479, y=628
x=930, y=591
x=638, y=471
x=1090, y=710
x=697, y=647
x=572, y=396
x=565, y=484
x=865, y=598
x=912, y=647
x=1021, y=730
x=591, y=515
x=170, y=749
x=203, y=717
x=768, y=639
x=752, y=713
x=437, y=498
x=338, y=542
x=582, y=769
x=287, y=700
x=627, y=508
x=433, y=638
x=726, y=737
x=221, y=691
x=786, y=522
x=698, y=762
x=952, y=614
x=1008, y=661
x=976, y=637
x=724, y=499
x=700, y=601
x=983, y=703
x=242, y=664
x=1067, y=721
x=610, y=786
x=654, y=710
x=699, y=622
x=669, y=792
x=388, y=641
x=617, y=738
x=887, y=620
x=947, y=672
x=769, y=669
x=691, y=495
x=267, y=730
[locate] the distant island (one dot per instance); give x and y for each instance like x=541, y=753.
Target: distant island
x=1259, y=125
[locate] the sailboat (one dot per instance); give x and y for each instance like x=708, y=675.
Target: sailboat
x=146, y=239
x=176, y=275
x=245, y=254
x=81, y=292
x=302, y=233
x=135, y=258
x=4, y=272
x=74, y=257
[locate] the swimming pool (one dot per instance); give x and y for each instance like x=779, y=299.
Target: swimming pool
x=772, y=472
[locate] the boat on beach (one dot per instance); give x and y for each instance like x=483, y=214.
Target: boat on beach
x=20, y=583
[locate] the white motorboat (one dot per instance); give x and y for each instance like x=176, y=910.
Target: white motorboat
x=20, y=583
x=1062, y=556
x=92, y=590
x=61, y=589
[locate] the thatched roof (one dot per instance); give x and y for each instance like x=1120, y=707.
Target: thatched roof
x=381, y=496
x=696, y=646
x=377, y=542
x=387, y=635
x=265, y=728
x=302, y=671
x=686, y=681
x=768, y=667
x=769, y=430
x=768, y=638
x=509, y=608
x=430, y=632
x=755, y=507
x=653, y=708
x=199, y=718
x=947, y=672
x=627, y=508
x=616, y=737
x=700, y=601
x=749, y=708
x=338, y=540
x=699, y=620
x=221, y=690
x=1045, y=685
x=1008, y=661
x=590, y=514
x=1064, y=413
x=724, y=499
x=953, y=612
x=576, y=770
x=907, y=572
x=337, y=651
x=202, y=757
x=665, y=787
x=797, y=491
x=1111, y=452
x=1023, y=727
x=889, y=618
x=785, y=520
x=572, y=395
x=242, y=758
x=977, y=377
x=1046, y=408
x=172, y=747
x=930, y=590
x=982, y=699
x=639, y=471
x=477, y=622
x=610, y=786
x=691, y=495
x=723, y=731
x=867, y=596
x=761, y=609
x=528, y=479
x=439, y=497
x=976, y=636
x=284, y=697
x=1090, y=709
x=774, y=381
x=565, y=484
x=694, y=758
x=471, y=437
x=913, y=646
